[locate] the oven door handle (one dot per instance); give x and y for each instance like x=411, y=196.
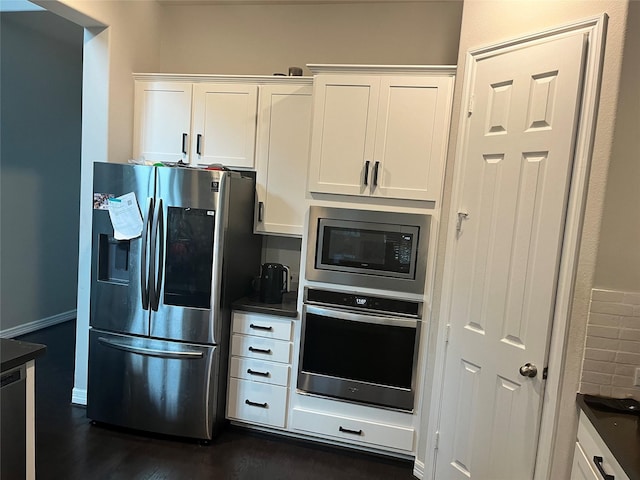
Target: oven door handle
x=360, y=317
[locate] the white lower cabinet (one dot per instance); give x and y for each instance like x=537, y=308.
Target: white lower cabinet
x=353, y=429
x=592, y=459
x=259, y=369
x=257, y=402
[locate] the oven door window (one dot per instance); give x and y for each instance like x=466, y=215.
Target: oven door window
x=366, y=352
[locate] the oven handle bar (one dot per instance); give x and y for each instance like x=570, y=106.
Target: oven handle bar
x=360, y=317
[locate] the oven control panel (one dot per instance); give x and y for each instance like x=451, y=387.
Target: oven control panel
x=370, y=303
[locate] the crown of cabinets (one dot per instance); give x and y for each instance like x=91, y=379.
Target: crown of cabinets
x=380, y=132
x=245, y=122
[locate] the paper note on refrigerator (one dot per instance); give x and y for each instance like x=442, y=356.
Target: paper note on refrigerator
x=125, y=217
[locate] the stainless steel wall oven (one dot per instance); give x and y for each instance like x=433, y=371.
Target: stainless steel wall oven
x=360, y=348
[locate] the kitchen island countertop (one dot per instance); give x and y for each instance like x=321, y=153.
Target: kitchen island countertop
x=15, y=352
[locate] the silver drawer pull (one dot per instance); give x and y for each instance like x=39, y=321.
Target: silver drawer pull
x=260, y=350
x=353, y=432
x=255, y=372
x=260, y=327
x=255, y=404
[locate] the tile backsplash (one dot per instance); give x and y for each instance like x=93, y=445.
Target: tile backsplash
x=612, y=348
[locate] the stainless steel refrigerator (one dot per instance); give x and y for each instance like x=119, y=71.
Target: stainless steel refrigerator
x=160, y=302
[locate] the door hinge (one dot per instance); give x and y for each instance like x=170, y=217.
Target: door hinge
x=545, y=371
x=446, y=333
x=471, y=102
x=436, y=440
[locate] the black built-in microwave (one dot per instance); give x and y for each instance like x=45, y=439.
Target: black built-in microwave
x=368, y=249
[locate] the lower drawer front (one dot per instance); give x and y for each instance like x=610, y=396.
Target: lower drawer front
x=259, y=371
x=352, y=429
x=260, y=348
x=257, y=402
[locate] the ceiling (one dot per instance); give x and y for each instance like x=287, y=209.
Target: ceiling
x=290, y=2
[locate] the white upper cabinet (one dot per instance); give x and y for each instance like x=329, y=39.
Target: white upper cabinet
x=382, y=135
x=199, y=123
x=282, y=157
x=162, y=121
x=224, y=124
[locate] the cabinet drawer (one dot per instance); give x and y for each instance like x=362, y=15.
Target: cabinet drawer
x=257, y=402
x=259, y=371
x=262, y=326
x=352, y=429
x=260, y=348
x=593, y=446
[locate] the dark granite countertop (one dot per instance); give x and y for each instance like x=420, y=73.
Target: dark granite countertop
x=288, y=307
x=15, y=353
x=620, y=432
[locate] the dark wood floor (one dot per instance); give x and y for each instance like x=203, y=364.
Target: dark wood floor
x=68, y=447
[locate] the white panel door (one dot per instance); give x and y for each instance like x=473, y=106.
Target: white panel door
x=344, y=123
x=514, y=185
x=411, y=138
x=282, y=158
x=162, y=121
x=224, y=124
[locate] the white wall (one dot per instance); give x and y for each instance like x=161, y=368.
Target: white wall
x=40, y=124
x=120, y=38
x=265, y=39
x=487, y=22
x=618, y=264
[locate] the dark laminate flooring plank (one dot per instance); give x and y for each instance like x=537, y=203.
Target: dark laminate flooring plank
x=69, y=447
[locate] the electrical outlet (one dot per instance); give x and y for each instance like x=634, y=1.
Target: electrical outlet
x=636, y=379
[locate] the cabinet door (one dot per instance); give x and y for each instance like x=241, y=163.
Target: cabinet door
x=411, y=137
x=224, y=124
x=162, y=117
x=344, y=121
x=582, y=469
x=282, y=151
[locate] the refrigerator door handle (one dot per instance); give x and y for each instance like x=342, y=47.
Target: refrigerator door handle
x=144, y=285
x=157, y=254
x=152, y=352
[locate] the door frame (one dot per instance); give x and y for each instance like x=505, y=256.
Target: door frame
x=594, y=28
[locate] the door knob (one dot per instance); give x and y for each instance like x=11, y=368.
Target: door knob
x=529, y=370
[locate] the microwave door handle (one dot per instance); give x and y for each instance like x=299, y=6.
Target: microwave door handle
x=361, y=317
x=146, y=231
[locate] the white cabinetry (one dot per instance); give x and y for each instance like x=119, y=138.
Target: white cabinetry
x=245, y=122
x=282, y=157
x=380, y=133
x=162, y=120
x=224, y=124
x=198, y=123
x=352, y=429
x=259, y=369
x=591, y=455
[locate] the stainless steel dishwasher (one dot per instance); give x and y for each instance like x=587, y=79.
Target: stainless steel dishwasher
x=13, y=420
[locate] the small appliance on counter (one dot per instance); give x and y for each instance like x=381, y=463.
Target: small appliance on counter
x=274, y=281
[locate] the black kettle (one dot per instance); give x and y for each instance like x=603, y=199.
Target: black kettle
x=274, y=281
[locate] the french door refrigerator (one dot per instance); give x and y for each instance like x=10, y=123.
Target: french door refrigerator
x=160, y=302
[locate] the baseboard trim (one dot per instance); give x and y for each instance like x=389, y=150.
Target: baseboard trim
x=79, y=396
x=418, y=469
x=38, y=324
